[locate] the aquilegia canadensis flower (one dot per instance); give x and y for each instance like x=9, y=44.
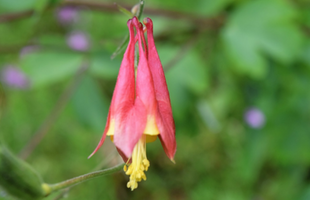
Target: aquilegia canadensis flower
x=140, y=109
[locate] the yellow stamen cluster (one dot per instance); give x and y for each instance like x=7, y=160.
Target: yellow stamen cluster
x=139, y=164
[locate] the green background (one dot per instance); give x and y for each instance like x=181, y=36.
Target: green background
x=221, y=58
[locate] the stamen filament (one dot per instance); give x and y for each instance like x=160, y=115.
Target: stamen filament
x=139, y=164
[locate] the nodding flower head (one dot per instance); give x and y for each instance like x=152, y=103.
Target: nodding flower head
x=140, y=109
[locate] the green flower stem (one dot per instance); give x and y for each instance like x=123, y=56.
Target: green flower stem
x=138, y=14
x=123, y=45
x=140, y=11
x=49, y=188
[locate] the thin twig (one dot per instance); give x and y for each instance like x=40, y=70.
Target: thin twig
x=99, y=6
x=50, y=120
x=215, y=22
x=15, y=16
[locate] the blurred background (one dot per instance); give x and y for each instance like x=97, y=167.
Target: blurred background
x=238, y=72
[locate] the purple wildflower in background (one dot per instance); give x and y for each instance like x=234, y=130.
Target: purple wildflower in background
x=28, y=49
x=254, y=118
x=78, y=41
x=14, y=77
x=67, y=15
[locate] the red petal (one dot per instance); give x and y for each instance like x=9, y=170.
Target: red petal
x=129, y=129
x=132, y=124
x=132, y=121
x=166, y=128
x=165, y=119
x=103, y=136
x=124, y=92
x=125, y=158
x=144, y=81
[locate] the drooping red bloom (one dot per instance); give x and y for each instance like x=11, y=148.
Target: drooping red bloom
x=164, y=117
x=140, y=108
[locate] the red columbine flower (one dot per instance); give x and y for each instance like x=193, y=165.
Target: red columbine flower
x=140, y=110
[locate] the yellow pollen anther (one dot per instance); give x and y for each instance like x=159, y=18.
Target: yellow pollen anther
x=139, y=164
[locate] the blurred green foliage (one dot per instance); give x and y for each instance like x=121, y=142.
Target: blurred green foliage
x=221, y=58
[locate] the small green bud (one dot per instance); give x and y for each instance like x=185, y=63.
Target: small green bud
x=18, y=178
x=135, y=9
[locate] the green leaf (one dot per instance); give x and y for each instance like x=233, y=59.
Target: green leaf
x=189, y=74
x=211, y=7
x=103, y=66
x=259, y=29
x=306, y=17
x=121, y=48
x=305, y=56
x=16, y=5
x=55, y=2
x=290, y=141
x=179, y=96
x=90, y=106
x=52, y=40
x=208, y=116
x=11, y=37
x=197, y=7
x=44, y=68
x=40, y=5
x=125, y=11
x=254, y=155
x=306, y=193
